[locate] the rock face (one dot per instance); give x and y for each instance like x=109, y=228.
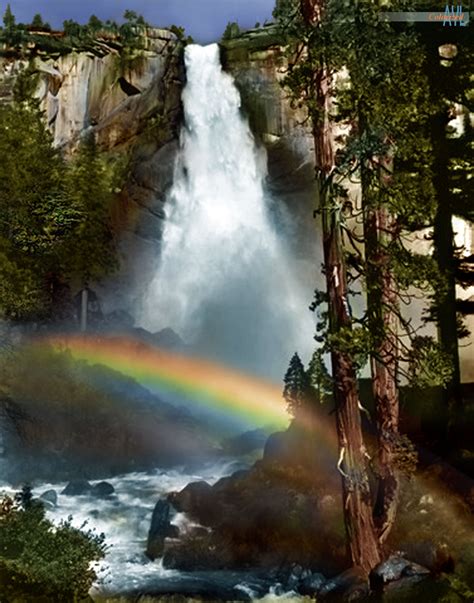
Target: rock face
x=134, y=109
x=258, y=63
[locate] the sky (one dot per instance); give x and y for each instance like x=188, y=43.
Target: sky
x=205, y=20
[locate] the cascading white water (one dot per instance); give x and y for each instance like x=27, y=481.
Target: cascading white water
x=224, y=281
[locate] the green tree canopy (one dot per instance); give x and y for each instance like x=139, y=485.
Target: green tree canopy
x=40, y=560
x=94, y=23
x=297, y=386
x=55, y=215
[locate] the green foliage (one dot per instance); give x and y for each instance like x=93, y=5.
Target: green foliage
x=71, y=28
x=38, y=23
x=36, y=213
x=429, y=365
x=55, y=216
x=26, y=41
x=38, y=559
x=180, y=33
x=297, y=388
x=12, y=34
x=387, y=146
x=90, y=250
x=94, y=24
x=231, y=31
x=9, y=20
x=320, y=379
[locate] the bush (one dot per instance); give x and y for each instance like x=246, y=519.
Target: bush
x=39, y=559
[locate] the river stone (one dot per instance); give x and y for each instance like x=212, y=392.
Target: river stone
x=348, y=586
x=103, y=490
x=50, y=497
x=312, y=584
x=394, y=568
x=77, y=487
x=159, y=529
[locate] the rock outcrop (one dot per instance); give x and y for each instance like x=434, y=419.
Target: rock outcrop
x=258, y=63
x=134, y=109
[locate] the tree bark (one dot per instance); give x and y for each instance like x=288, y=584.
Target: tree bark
x=357, y=502
x=381, y=301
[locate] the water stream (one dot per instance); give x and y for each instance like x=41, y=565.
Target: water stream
x=225, y=281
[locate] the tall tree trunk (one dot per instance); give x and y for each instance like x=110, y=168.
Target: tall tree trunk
x=382, y=300
x=379, y=231
x=357, y=501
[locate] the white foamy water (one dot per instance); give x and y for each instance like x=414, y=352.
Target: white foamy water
x=125, y=519
x=225, y=280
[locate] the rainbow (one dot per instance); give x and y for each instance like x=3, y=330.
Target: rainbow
x=206, y=384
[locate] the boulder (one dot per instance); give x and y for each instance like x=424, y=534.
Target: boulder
x=433, y=556
x=393, y=569
x=172, y=532
x=312, y=584
x=351, y=585
x=77, y=487
x=196, y=499
x=50, y=497
x=278, y=448
x=159, y=529
x=103, y=490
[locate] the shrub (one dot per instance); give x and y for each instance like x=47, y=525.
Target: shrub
x=41, y=560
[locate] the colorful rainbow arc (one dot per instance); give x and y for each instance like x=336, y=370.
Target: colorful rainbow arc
x=214, y=386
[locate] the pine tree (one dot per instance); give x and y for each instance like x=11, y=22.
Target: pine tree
x=297, y=389
x=37, y=21
x=91, y=182
x=450, y=52
x=12, y=34
x=9, y=20
x=95, y=24
x=311, y=81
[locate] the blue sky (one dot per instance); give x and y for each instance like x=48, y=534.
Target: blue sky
x=205, y=20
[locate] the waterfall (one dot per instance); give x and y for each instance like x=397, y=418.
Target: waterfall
x=224, y=281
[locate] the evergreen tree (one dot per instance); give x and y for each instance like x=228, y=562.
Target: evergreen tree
x=91, y=184
x=9, y=20
x=12, y=34
x=311, y=82
x=37, y=21
x=388, y=147
x=55, y=222
x=450, y=52
x=72, y=28
x=94, y=24
x=37, y=215
x=231, y=31
x=297, y=389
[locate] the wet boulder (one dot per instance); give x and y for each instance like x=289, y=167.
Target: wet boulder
x=312, y=584
x=172, y=532
x=431, y=555
x=394, y=569
x=77, y=487
x=103, y=490
x=196, y=499
x=159, y=529
x=50, y=497
x=351, y=585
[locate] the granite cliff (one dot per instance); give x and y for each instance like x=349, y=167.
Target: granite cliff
x=134, y=108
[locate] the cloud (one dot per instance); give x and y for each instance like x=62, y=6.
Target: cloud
x=205, y=20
